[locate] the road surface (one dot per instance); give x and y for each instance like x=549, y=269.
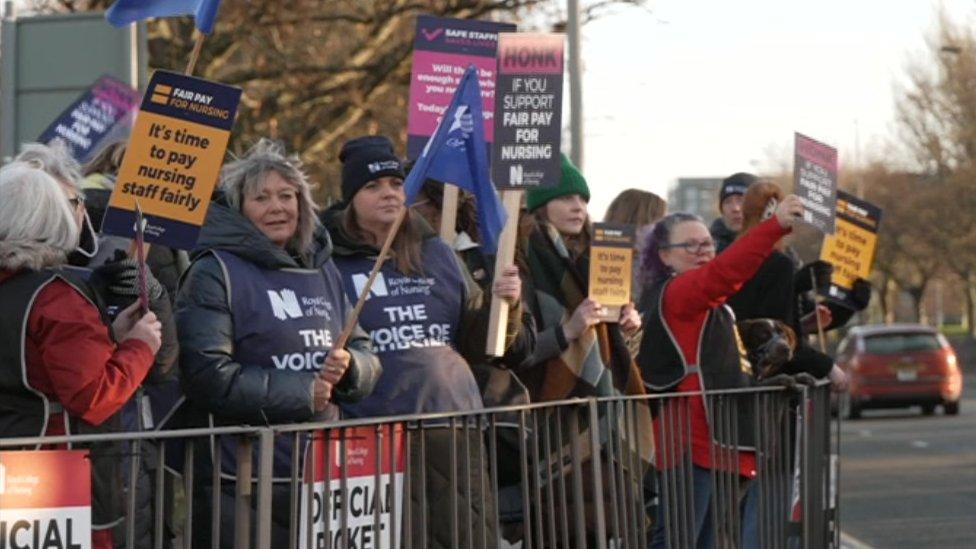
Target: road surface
x=908, y=480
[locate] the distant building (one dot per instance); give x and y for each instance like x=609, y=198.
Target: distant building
x=697, y=195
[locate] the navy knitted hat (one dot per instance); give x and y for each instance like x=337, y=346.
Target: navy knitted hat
x=365, y=159
x=736, y=183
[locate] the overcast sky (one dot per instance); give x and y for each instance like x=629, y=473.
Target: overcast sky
x=709, y=87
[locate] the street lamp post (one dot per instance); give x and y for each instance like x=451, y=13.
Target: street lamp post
x=575, y=83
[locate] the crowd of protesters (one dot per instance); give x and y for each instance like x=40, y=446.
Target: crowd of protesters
x=246, y=328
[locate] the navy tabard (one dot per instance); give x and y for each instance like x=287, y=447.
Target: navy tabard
x=413, y=323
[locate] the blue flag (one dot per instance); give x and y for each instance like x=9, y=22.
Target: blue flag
x=124, y=12
x=457, y=154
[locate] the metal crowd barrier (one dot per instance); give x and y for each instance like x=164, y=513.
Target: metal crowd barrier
x=607, y=473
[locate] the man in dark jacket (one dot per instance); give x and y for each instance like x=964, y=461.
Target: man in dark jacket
x=725, y=228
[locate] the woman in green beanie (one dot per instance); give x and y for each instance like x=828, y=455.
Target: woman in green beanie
x=577, y=354
x=555, y=241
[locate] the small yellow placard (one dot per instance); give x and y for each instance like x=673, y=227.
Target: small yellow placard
x=611, y=264
x=852, y=247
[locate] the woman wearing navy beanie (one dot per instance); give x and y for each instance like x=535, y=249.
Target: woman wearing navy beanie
x=427, y=319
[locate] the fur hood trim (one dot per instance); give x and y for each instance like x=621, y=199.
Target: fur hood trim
x=16, y=255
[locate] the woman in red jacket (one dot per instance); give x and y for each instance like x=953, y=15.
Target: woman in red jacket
x=61, y=369
x=690, y=345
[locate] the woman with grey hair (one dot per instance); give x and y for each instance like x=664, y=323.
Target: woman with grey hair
x=62, y=369
x=107, y=268
x=258, y=313
x=56, y=160
x=103, y=261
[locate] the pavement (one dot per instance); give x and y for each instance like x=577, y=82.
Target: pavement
x=909, y=480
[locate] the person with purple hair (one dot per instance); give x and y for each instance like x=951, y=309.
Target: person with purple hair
x=690, y=345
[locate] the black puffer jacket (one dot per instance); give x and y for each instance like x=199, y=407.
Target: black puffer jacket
x=250, y=393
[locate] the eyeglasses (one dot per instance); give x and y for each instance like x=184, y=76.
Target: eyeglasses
x=77, y=201
x=693, y=246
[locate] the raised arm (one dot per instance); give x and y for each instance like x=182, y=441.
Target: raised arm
x=697, y=290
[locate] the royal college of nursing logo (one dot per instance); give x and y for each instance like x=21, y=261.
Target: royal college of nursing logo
x=379, y=285
x=284, y=304
x=380, y=166
x=515, y=175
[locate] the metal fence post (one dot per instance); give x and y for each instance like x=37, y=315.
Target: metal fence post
x=243, y=493
x=804, y=457
x=601, y=527
x=265, y=471
x=838, y=479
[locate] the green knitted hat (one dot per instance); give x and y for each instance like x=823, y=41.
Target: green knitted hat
x=571, y=182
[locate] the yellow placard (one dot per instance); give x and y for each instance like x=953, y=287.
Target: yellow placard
x=610, y=274
x=173, y=159
x=851, y=251
x=170, y=167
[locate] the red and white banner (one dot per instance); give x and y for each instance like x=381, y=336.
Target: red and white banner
x=45, y=499
x=355, y=455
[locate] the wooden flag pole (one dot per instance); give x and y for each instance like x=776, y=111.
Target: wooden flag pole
x=380, y=259
x=141, y=260
x=198, y=38
x=816, y=312
x=449, y=209
x=195, y=53
x=182, y=256
x=505, y=257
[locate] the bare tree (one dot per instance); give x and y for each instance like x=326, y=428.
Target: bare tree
x=908, y=256
x=936, y=116
x=318, y=72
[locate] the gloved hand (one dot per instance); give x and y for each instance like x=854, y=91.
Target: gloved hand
x=804, y=378
x=861, y=293
x=121, y=277
x=779, y=380
x=820, y=269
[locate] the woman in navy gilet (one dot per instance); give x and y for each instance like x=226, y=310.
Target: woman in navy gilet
x=258, y=312
x=427, y=319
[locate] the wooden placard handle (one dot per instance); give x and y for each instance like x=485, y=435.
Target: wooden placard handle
x=816, y=312
x=449, y=209
x=498, y=319
x=380, y=259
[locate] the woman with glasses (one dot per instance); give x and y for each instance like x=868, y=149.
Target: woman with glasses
x=690, y=345
x=102, y=262
x=56, y=160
